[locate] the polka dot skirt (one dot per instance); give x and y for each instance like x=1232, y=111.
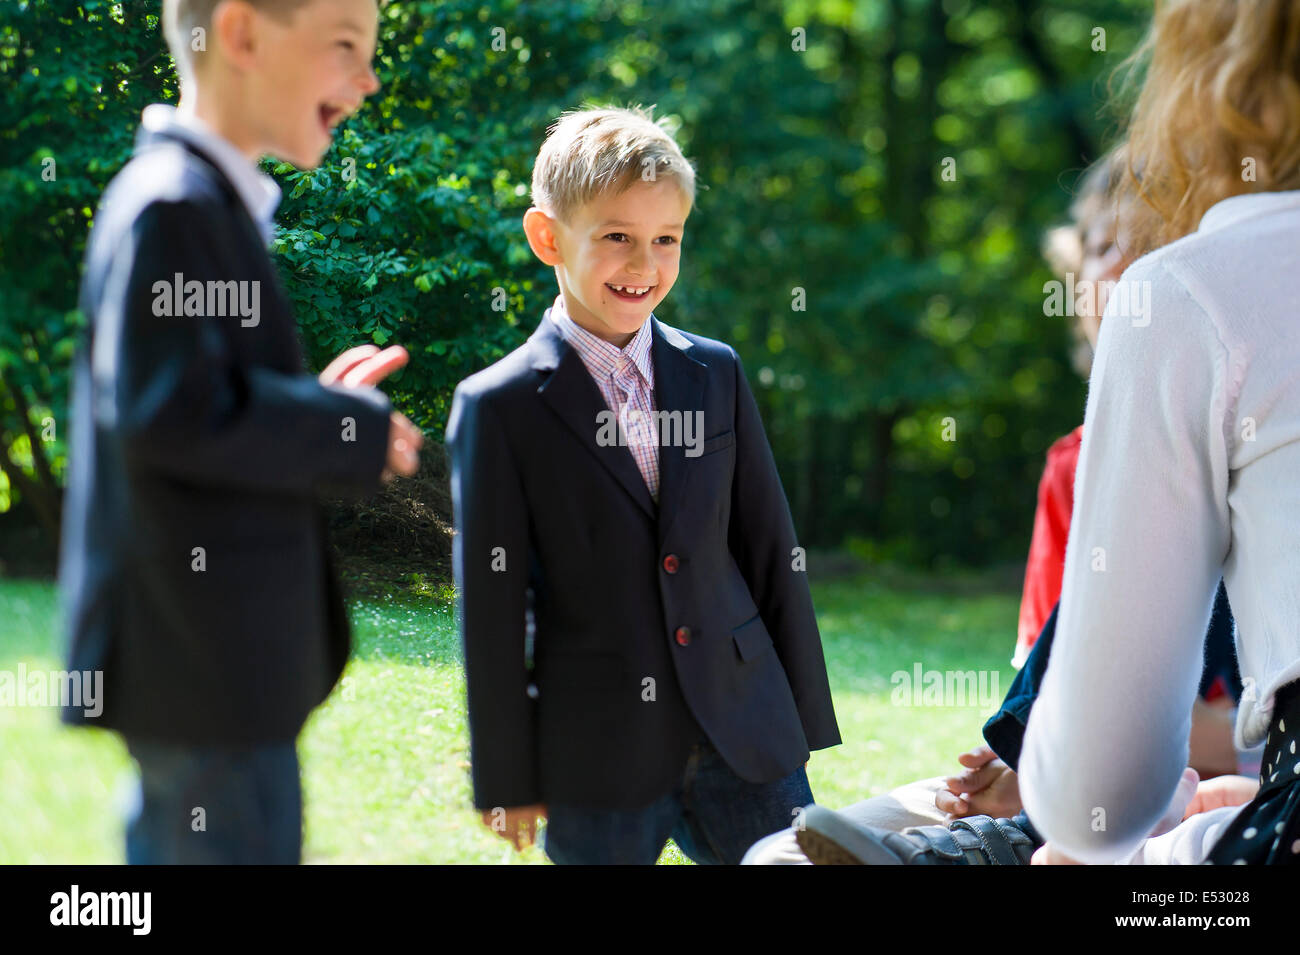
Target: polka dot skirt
x=1267, y=831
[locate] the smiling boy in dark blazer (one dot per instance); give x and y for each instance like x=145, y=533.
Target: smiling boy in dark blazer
x=195, y=569
x=642, y=655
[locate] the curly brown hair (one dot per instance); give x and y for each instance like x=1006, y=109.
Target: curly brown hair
x=1218, y=113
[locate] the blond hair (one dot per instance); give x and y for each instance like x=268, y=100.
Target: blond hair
x=180, y=18
x=1218, y=114
x=591, y=150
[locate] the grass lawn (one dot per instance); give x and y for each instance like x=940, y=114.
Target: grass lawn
x=385, y=760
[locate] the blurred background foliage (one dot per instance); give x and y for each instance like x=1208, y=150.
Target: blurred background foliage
x=895, y=160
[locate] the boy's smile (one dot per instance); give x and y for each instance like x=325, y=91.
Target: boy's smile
x=617, y=256
x=304, y=74
x=628, y=293
x=324, y=75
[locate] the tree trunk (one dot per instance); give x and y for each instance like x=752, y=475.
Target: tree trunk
x=42, y=494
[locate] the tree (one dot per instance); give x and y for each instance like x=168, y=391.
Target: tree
x=875, y=180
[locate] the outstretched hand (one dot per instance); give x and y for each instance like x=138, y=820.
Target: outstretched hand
x=988, y=787
x=364, y=365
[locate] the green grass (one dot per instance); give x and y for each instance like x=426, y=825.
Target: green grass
x=385, y=760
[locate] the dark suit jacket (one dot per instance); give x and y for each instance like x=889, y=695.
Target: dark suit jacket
x=201, y=432
x=563, y=639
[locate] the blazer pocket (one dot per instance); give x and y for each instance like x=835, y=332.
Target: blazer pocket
x=717, y=443
x=752, y=639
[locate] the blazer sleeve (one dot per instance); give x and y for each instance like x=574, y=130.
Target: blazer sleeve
x=490, y=556
x=762, y=541
x=184, y=403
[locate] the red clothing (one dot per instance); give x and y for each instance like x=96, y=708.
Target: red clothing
x=1046, y=563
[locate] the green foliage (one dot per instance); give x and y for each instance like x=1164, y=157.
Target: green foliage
x=70, y=73
x=821, y=169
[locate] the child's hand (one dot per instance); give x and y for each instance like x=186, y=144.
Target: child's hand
x=517, y=825
x=988, y=787
x=364, y=365
x=404, y=443
x=1046, y=855
x=1221, y=791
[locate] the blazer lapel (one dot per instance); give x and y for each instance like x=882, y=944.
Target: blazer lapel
x=679, y=387
x=574, y=397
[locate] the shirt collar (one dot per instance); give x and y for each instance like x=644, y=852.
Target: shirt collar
x=1234, y=209
x=257, y=190
x=604, y=358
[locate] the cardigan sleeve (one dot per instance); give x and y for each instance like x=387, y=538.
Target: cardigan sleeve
x=1106, y=742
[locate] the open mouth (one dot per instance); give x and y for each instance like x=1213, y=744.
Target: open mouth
x=330, y=115
x=631, y=293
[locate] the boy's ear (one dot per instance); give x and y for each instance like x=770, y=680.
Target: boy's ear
x=234, y=25
x=540, y=230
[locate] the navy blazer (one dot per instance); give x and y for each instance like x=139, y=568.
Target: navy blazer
x=194, y=569
x=604, y=634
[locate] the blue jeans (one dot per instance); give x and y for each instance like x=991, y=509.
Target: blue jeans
x=713, y=815
x=215, y=805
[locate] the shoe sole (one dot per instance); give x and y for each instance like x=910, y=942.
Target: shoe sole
x=828, y=839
